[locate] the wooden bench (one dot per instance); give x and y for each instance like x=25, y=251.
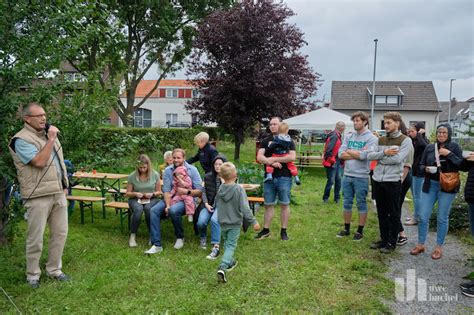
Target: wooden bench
x=86, y=202
x=254, y=200
x=124, y=210
x=309, y=161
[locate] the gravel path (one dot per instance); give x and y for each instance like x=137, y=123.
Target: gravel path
x=442, y=277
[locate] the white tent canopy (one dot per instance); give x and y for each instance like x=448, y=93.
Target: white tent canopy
x=320, y=119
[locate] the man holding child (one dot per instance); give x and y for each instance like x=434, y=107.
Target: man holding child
x=175, y=211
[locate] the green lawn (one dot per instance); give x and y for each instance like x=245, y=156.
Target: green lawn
x=313, y=272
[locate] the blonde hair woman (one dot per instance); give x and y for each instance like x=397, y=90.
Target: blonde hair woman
x=143, y=188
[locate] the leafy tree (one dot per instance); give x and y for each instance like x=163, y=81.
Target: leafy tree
x=123, y=39
x=247, y=66
x=27, y=52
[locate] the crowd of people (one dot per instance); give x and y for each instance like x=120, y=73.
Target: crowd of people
x=401, y=160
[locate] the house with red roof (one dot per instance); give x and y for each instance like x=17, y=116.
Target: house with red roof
x=164, y=107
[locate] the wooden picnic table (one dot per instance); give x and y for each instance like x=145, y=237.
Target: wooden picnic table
x=250, y=187
x=105, y=187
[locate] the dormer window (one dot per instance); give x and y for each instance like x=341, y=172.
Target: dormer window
x=387, y=100
x=171, y=93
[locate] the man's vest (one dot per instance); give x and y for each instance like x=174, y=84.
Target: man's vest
x=37, y=182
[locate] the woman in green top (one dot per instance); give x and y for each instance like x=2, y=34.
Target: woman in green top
x=143, y=188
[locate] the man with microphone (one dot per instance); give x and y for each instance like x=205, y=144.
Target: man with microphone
x=42, y=176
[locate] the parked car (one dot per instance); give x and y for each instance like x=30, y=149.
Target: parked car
x=381, y=132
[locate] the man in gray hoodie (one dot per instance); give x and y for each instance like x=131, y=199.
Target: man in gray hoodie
x=233, y=205
x=391, y=153
x=355, y=182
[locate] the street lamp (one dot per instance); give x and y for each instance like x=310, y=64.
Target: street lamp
x=373, y=88
x=450, y=101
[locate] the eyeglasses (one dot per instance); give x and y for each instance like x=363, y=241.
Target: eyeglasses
x=442, y=132
x=39, y=115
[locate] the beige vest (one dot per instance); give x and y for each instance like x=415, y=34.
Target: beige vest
x=37, y=182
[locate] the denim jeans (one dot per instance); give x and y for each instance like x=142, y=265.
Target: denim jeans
x=280, y=186
x=204, y=217
x=157, y=213
x=416, y=186
x=137, y=210
x=230, y=237
x=333, y=175
x=471, y=217
x=427, y=202
x=358, y=187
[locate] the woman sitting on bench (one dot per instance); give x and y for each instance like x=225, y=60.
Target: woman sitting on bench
x=143, y=188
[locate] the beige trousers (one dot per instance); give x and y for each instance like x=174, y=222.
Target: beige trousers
x=51, y=210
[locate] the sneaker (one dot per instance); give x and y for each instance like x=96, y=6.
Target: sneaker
x=221, y=276
x=467, y=285
x=179, y=243
x=62, y=277
x=297, y=180
x=325, y=200
x=357, y=237
x=132, y=241
x=343, y=233
x=268, y=178
x=190, y=218
x=388, y=249
x=284, y=236
x=468, y=292
x=202, y=243
x=262, y=234
x=214, y=253
x=377, y=245
x=374, y=202
x=232, y=266
x=34, y=284
x=336, y=200
x=402, y=240
x=412, y=222
x=154, y=250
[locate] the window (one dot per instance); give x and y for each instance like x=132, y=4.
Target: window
x=387, y=100
x=195, y=93
x=77, y=77
x=142, y=118
x=380, y=99
x=171, y=118
x=392, y=100
x=171, y=93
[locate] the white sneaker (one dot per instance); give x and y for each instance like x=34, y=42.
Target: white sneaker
x=154, y=250
x=179, y=243
x=132, y=242
x=190, y=218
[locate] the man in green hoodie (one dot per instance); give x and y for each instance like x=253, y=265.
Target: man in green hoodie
x=231, y=200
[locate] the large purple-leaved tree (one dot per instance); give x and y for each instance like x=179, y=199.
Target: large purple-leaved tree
x=247, y=66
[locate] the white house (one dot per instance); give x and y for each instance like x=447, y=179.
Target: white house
x=165, y=107
x=462, y=114
x=416, y=101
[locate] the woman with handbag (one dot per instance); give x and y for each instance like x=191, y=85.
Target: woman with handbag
x=440, y=165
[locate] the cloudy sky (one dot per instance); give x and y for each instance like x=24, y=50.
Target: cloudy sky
x=430, y=40
x=418, y=40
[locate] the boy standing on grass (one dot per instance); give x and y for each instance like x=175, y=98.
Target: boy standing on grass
x=231, y=200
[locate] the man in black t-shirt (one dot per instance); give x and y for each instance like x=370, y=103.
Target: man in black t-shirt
x=279, y=187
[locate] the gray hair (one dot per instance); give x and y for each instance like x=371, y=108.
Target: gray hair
x=26, y=110
x=340, y=125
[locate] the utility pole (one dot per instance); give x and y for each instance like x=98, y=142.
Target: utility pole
x=373, y=88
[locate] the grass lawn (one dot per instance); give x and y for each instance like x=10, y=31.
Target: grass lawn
x=313, y=272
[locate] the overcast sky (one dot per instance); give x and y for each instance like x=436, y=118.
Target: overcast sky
x=418, y=41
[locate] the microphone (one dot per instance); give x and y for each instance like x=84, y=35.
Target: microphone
x=46, y=128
